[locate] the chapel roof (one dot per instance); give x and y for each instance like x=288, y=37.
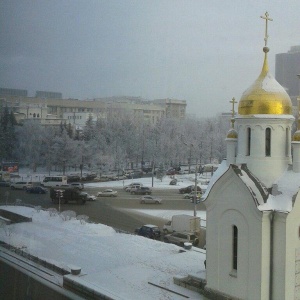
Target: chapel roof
x=279, y=198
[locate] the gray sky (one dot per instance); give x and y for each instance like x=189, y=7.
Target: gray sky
x=205, y=52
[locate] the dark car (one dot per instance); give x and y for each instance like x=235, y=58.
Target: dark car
x=36, y=190
x=149, y=231
x=189, y=189
x=4, y=183
x=143, y=190
x=67, y=194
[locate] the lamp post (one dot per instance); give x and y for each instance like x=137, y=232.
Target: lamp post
x=196, y=171
x=196, y=190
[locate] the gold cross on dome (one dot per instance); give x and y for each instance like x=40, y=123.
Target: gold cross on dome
x=232, y=111
x=266, y=17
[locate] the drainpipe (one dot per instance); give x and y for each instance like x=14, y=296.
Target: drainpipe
x=271, y=253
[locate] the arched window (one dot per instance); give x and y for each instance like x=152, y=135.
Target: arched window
x=248, y=141
x=287, y=142
x=34, y=115
x=268, y=141
x=234, y=247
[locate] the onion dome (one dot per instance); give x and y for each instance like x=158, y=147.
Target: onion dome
x=232, y=134
x=265, y=96
x=296, y=136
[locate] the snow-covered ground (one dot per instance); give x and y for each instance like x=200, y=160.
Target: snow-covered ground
x=114, y=263
x=117, y=264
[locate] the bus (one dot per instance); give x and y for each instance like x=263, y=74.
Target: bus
x=50, y=181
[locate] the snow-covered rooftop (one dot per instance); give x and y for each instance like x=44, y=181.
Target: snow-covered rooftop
x=287, y=186
x=118, y=264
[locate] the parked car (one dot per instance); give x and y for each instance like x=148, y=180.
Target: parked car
x=179, y=238
x=36, y=190
x=77, y=185
x=150, y=231
x=4, y=183
x=143, y=190
x=21, y=185
x=107, y=193
x=173, y=181
x=189, y=189
x=150, y=200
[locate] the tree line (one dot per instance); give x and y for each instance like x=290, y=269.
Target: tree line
x=118, y=142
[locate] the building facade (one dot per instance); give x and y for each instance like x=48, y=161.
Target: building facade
x=287, y=67
x=149, y=111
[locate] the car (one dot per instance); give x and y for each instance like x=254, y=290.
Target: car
x=150, y=231
x=191, y=195
x=189, y=189
x=150, y=199
x=107, y=193
x=132, y=186
x=4, y=183
x=20, y=185
x=89, y=197
x=143, y=190
x=179, y=238
x=77, y=185
x=173, y=181
x=36, y=190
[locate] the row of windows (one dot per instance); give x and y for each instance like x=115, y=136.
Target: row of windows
x=74, y=117
x=267, y=142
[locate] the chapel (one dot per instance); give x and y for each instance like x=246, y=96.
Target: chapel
x=253, y=200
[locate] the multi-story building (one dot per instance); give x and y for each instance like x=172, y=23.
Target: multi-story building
x=46, y=95
x=287, y=67
x=65, y=109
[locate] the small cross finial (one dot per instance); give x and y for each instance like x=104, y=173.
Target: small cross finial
x=232, y=111
x=266, y=17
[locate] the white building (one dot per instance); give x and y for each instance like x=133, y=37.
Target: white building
x=253, y=201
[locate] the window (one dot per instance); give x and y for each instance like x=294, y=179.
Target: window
x=234, y=247
x=248, y=141
x=268, y=141
x=287, y=142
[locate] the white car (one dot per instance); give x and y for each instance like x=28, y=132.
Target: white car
x=134, y=185
x=89, y=197
x=150, y=200
x=107, y=193
x=21, y=185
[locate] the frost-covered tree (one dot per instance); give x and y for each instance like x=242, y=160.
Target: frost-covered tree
x=160, y=172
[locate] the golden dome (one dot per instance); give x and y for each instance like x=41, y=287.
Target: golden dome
x=265, y=96
x=296, y=136
x=232, y=134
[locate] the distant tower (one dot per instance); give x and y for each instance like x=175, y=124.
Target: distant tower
x=287, y=67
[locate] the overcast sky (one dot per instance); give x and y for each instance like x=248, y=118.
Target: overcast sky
x=204, y=52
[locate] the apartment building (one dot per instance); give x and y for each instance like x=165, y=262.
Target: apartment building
x=287, y=67
x=70, y=110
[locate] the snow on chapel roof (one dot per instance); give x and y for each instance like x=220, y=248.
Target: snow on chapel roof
x=280, y=198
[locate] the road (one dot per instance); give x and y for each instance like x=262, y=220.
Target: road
x=114, y=212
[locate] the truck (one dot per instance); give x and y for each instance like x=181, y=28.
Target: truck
x=67, y=194
x=182, y=223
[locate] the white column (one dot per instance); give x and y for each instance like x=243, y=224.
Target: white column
x=296, y=156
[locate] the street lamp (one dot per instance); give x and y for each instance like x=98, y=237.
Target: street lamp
x=196, y=171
